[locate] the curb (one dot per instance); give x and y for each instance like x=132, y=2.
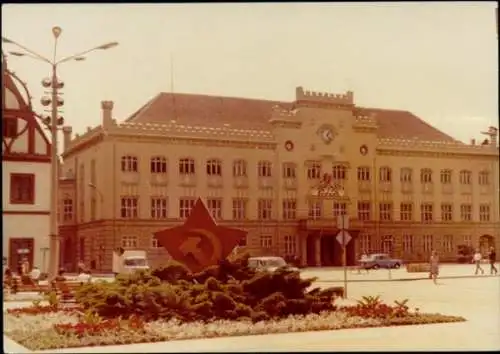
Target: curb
x=406, y=279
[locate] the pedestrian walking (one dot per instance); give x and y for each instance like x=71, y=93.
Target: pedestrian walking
x=434, y=265
x=492, y=257
x=477, y=260
x=363, y=260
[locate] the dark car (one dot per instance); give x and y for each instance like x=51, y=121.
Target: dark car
x=380, y=260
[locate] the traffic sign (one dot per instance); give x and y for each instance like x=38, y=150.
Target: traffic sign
x=343, y=222
x=343, y=238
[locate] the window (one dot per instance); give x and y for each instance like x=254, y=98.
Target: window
x=266, y=241
x=264, y=169
x=154, y=242
x=406, y=211
x=339, y=209
x=446, y=176
x=129, y=241
x=385, y=174
x=68, y=209
x=214, y=167
x=315, y=208
x=22, y=188
x=239, y=209
x=185, y=206
x=129, y=206
x=314, y=170
x=364, y=243
x=289, y=209
x=387, y=243
x=484, y=178
x=448, y=243
x=364, y=210
x=446, y=212
x=129, y=163
x=92, y=171
x=186, y=166
x=484, y=212
x=339, y=173
x=159, y=208
x=385, y=210
x=465, y=177
x=407, y=243
x=239, y=168
x=215, y=208
x=466, y=212
x=9, y=127
x=428, y=242
x=265, y=209
x=290, y=244
x=468, y=240
x=158, y=164
x=425, y=175
x=364, y=173
x=426, y=212
x=406, y=175
x=289, y=170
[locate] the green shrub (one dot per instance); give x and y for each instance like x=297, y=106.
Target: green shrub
x=229, y=290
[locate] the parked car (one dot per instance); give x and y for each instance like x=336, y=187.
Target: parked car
x=380, y=260
x=269, y=264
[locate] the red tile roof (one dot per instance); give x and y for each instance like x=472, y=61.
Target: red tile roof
x=245, y=113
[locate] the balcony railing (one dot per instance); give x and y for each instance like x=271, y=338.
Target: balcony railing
x=265, y=182
x=385, y=187
x=290, y=183
x=406, y=187
x=130, y=177
x=364, y=186
x=240, y=182
x=427, y=188
x=214, y=181
x=159, y=179
x=447, y=188
x=187, y=180
x=465, y=189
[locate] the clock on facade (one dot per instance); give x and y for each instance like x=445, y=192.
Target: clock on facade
x=326, y=133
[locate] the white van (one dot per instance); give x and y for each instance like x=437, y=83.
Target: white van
x=129, y=261
x=269, y=264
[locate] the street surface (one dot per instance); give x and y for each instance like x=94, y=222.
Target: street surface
x=475, y=298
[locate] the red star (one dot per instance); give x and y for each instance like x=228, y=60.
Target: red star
x=199, y=242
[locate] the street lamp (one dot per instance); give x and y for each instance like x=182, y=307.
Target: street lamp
x=53, y=122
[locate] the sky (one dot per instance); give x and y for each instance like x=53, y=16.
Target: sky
x=438, y=60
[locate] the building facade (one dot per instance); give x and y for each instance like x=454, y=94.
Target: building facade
x=25, y=175
x=282, y=171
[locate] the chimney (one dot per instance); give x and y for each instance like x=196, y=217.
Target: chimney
x=67, y=130
x=473, y=141
x=107, y=114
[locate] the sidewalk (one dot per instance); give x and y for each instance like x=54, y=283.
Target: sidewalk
x=446, y=271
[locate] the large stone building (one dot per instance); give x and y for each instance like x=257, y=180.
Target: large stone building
x=25, y=177
x=407, y=187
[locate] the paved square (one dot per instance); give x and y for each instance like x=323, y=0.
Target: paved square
x=477, y=299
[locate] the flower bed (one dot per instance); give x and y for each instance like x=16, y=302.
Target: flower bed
x=47, y=327
x=171, y=303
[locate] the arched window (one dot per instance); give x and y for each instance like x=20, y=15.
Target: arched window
x=264, y=169
x=186, y=166
x=239, y=168
x=214, y=167
x=158, y=164
x=426, y=175
x=129, y=163
x=385, y=174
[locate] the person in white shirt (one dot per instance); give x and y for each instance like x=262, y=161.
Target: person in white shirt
x=84, y=277
x=35, y=274
x=362, y=261
x=477, y=260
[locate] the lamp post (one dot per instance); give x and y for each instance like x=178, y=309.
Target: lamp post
x=52, y=124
